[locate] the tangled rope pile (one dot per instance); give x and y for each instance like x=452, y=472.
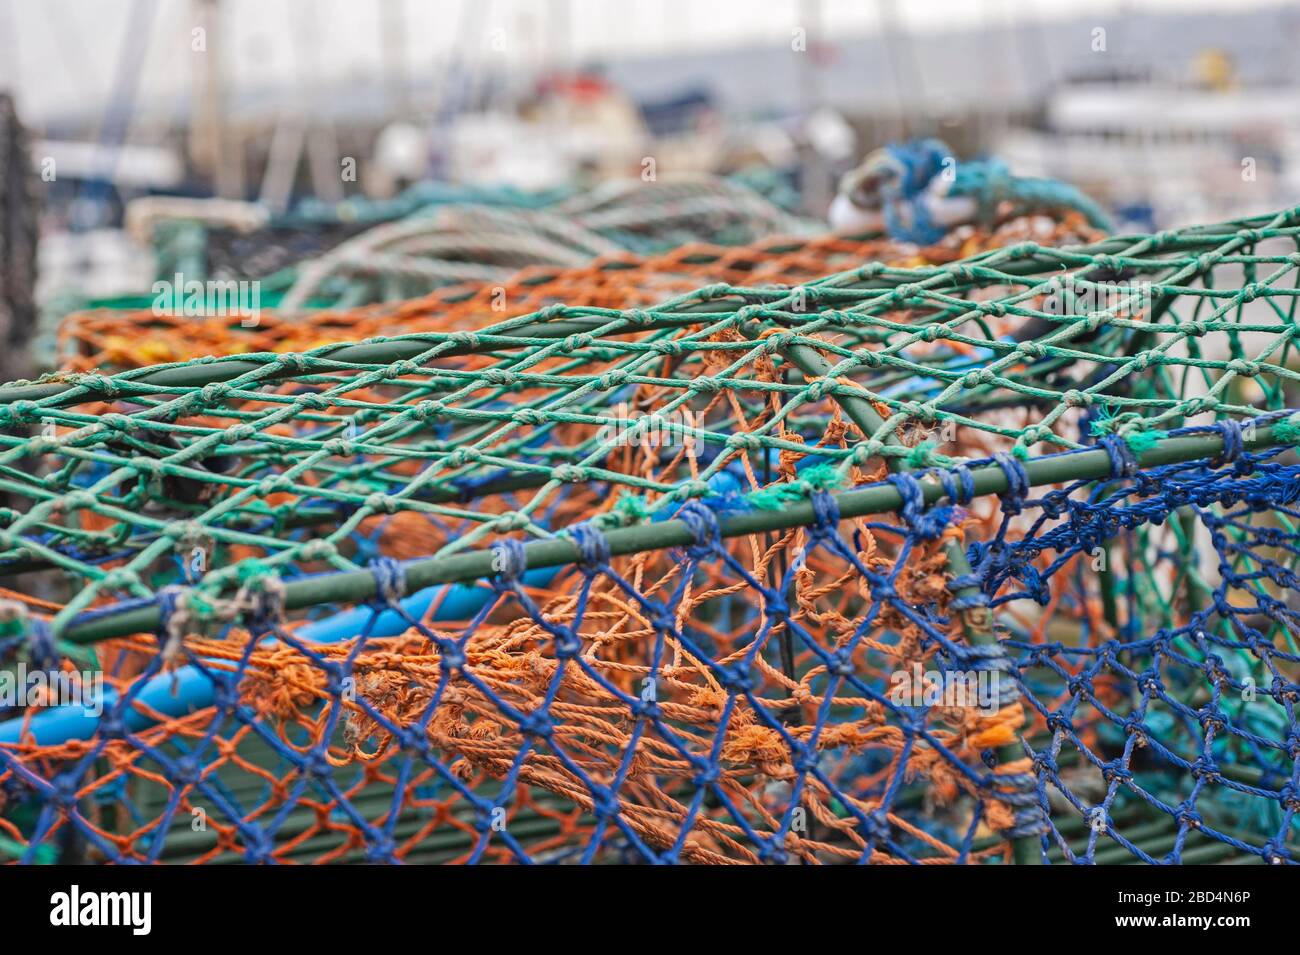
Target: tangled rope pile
x=682, y=564
x=437, y=235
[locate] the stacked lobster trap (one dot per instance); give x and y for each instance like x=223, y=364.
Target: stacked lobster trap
x=982, y=560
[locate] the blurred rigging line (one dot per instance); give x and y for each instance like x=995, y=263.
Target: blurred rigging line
x=121, y=105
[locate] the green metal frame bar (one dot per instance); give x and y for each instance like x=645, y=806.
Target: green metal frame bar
x=359, y=586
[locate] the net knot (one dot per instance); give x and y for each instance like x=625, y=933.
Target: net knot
x=875, y=827
x=575, y=342
x=1017, y=482
x=1123, y=462
x=593, y=546
x=509, y=560
x=260, y=598
x=1276, y=853
x=703, y=525
x=613, y=379
x=292, y=363
x=390, y=579
x=426, y=410
x=818, y=388
x=96, y=383
x=1036, y=433
x=958, y=484
x=215, y=392
x=19, y=412
x=528, y=416
x=926, y=455
x=1233, y=443
x=569, y=473
x=319, y=550
x=744, y=441
x=120, y=578
x=509, y=521
x=825, y=511
x=925, y=524
x=383, y=502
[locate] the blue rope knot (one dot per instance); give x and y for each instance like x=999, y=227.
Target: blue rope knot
x=1233, y=443
x=924, y=524
x=593, y=546
x=826, y=513
x=958, y=484
x=390, y=580
x=875, y=827
x=40, y=644
x=1289, y=797
x=1276, y=853
x=1013, y=498
x=509, y=560
x=703, y=525
x=1187, y=815
x=967, y=601
x=1123, y=462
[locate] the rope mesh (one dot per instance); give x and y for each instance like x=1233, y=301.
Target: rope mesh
x=108, y=338
x=674, y=564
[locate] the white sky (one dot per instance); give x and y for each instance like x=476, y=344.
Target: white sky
x=63, y=54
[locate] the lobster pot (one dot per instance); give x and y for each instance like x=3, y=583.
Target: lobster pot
x=989, y=561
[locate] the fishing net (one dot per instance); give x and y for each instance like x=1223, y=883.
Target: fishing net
x=432, y=238
x=983, y=561
x=115, y=339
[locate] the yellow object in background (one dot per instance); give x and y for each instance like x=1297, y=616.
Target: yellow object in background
x=1215, y=70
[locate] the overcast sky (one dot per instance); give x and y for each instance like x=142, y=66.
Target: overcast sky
x=66, y=54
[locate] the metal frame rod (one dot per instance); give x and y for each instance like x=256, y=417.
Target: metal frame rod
x=358, y=586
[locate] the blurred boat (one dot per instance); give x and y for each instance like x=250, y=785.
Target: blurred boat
x=1203, y=152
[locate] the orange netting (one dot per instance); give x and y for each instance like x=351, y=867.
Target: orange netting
x=107, y=339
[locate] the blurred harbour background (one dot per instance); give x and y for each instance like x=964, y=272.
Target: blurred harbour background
x=1166, y=113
